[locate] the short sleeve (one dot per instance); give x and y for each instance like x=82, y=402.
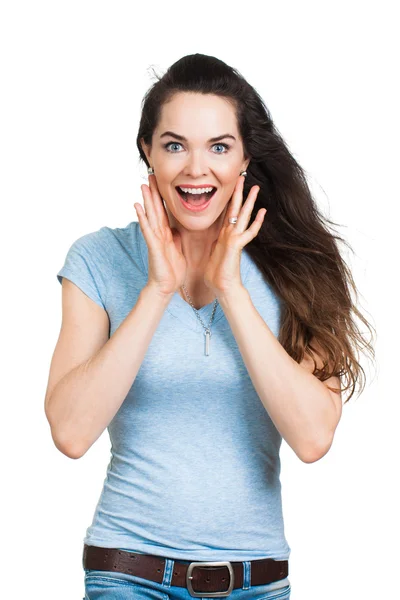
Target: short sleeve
x=265, y=299
x=89, y=265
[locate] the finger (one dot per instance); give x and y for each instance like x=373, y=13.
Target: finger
x=247, y=209
x=236, y=201
x=254, y=228
x=149, y=207
x=144, y=224
x=158, y=203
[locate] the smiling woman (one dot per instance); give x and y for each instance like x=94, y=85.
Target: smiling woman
x=191, y=504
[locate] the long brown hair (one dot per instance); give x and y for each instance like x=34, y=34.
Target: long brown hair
x=295, y=250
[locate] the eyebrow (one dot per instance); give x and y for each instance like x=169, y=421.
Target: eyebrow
x=183, y=139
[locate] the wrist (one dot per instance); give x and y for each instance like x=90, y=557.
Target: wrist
x=233, y=295
x=154, y=292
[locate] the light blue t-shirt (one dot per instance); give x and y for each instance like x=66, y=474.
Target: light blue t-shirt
x=194, y=469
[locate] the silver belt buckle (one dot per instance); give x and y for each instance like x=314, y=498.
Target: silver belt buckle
x=189, y=578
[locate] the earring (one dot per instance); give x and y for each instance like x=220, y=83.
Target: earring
x=150, y=170
x=243, y=173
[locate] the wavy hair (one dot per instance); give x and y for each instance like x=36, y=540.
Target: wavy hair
x=295, y=249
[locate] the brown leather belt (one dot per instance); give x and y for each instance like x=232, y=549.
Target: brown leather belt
x=207, y=579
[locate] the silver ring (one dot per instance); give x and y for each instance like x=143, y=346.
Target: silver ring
x=233, y=220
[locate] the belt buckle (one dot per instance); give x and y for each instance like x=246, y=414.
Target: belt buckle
x=189, y=577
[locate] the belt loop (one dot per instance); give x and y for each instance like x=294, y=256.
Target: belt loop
x=246, y=574
x=168, y=570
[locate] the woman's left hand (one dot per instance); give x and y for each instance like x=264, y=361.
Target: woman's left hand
x=222, y=273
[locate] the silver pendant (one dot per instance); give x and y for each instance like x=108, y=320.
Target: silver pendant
x=207, y=333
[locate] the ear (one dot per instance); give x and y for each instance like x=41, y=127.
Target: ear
x=246, y=164
x=146, y=150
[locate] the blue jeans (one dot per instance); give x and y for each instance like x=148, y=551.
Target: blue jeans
x=112, y=585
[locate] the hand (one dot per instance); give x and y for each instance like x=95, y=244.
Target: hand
x=222, y=273
x=167, y=265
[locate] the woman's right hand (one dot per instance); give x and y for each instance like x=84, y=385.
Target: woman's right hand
x=167, y=265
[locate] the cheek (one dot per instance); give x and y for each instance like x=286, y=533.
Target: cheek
x=230, y=178
x=231, y=169
x=228, y=190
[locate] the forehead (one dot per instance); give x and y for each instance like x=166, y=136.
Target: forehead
x=192, y=114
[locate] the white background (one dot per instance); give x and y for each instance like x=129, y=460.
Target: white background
x=72, y=76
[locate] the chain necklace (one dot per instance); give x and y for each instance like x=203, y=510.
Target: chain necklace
x=207, y=330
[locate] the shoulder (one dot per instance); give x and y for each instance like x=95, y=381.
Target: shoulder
x=106, y=241
x=258, y=284
x=92, y=259
x=94, y=240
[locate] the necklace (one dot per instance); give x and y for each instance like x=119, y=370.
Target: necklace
x=207, y=330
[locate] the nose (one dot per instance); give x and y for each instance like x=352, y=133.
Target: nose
x=196, y=165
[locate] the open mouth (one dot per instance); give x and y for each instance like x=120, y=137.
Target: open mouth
x=195, y=199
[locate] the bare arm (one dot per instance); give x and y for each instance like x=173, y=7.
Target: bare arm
x=84, y=401
x=303, y=409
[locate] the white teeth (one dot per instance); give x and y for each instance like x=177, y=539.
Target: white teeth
x=196, y=191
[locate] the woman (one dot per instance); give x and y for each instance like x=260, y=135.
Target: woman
x=199, y=336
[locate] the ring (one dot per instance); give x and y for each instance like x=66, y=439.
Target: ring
x=233, y=220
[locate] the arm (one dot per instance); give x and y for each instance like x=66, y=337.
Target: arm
x=302, y=408
x=82, y=404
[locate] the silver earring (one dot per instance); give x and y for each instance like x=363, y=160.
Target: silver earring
x=243, y=173
x=150, y=170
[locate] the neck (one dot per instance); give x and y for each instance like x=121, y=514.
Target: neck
x=196, y=245
x=196, y=250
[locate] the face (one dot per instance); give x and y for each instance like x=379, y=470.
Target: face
x=196, y=160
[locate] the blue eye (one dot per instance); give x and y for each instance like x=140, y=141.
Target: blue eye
x=166, y=146
x=225, y=146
